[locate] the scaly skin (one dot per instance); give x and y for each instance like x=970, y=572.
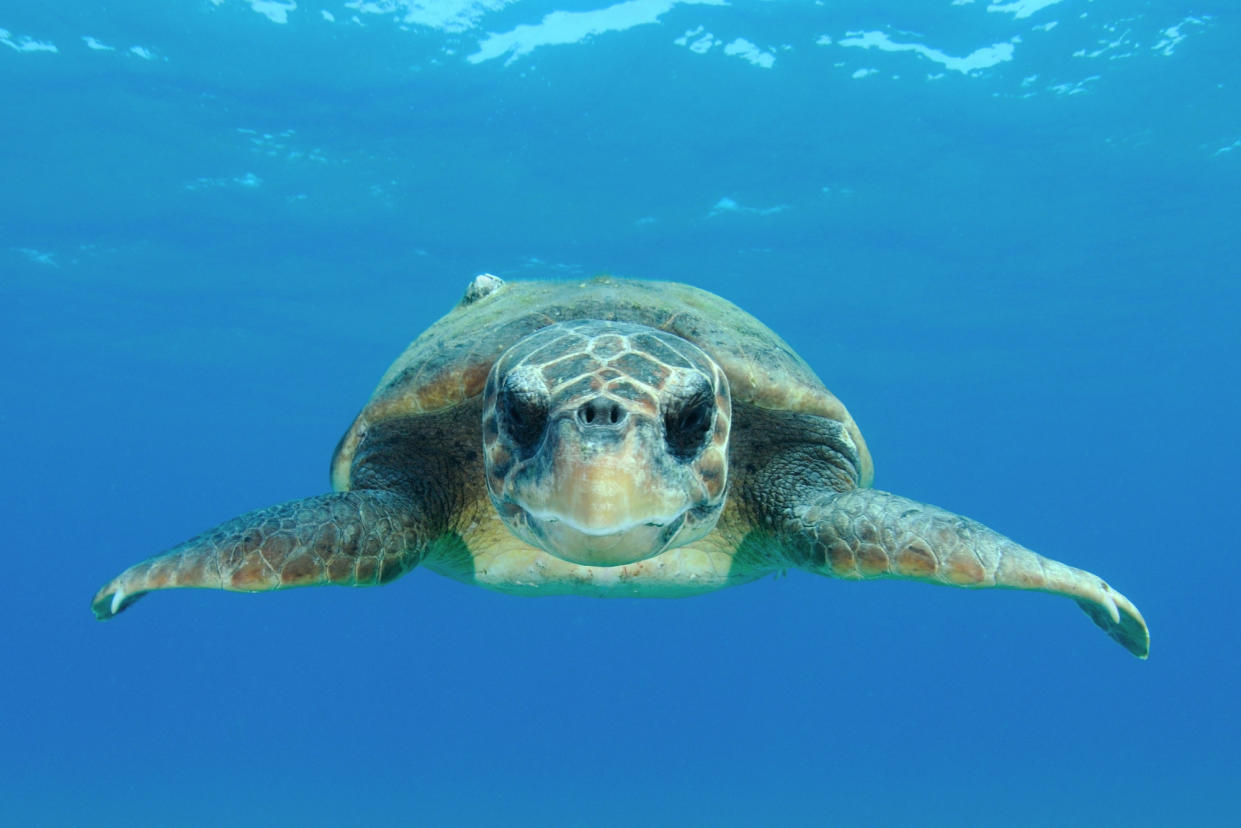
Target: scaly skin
x=357, y=538
x=864, y=533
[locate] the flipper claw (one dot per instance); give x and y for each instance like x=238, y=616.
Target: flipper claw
x=1110, y=603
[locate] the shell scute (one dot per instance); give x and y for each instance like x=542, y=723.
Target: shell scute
x=448, y=364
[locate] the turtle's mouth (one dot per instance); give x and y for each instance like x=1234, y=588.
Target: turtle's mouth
x=603, y=508
x=602, y=545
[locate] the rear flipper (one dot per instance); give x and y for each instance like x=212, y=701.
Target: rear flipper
x=353, y=538
x=870, y=534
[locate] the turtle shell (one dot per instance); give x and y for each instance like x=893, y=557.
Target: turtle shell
x=448, y=364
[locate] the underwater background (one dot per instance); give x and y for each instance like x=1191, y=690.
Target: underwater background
x=1006, y=234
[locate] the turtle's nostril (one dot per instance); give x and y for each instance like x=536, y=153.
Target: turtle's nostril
x=601, y=413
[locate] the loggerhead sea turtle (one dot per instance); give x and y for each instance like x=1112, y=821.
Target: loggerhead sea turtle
x=607, y=438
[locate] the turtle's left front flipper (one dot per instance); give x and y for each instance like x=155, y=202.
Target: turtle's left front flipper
x=870, y=534
x=354, y=538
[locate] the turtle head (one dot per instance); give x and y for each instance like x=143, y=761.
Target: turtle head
x=606, y=443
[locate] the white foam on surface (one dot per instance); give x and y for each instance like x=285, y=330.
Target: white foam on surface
x=1020, y=8
x=561, y=27
x=703, y=41
x=702, y=44
x=277, y=11
x=445, y=15
x=1115, y=48
x=699, y=41
x=1235, y=145
x=248, y=181
x=982, y=58
x=25, y=43
x=274, y=10
x=280, y=145
x=142, y=52
x=746, y=50
x=1074, y=87
x=731, y=205
x=92, y=43
x=38, y=256
x=1173, y=35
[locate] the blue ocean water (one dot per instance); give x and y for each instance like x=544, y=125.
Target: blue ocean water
x=1004, y=233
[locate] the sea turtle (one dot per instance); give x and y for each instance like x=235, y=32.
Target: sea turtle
x=608, y=438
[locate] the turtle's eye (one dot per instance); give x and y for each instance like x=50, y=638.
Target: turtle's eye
x=524, y=416
x=686, y=425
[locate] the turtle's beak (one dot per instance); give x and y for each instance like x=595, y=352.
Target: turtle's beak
x=603, y=511
x=607, y=500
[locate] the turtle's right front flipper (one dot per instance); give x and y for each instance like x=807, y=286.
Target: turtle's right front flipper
x=866, y=533
x=355, y=538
